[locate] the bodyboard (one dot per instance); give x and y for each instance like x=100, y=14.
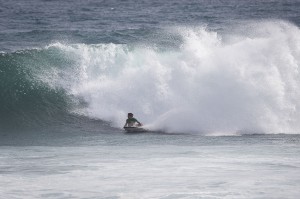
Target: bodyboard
x=134, y=129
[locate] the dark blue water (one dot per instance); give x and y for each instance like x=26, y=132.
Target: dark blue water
x=35, y=23
x=42, y=41
x=217, y=82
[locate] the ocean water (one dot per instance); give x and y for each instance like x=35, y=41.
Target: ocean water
x=216, y=82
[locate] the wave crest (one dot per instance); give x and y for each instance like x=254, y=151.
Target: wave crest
x=241, y=80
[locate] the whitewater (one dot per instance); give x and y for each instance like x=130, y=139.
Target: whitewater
x=210, y=83
x=240, y=83
x=217, y=84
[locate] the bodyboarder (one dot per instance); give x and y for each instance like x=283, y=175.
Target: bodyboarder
x=131, y=121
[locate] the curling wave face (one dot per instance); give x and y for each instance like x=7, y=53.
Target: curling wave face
x=238, y=81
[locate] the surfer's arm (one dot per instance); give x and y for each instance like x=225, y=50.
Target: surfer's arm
x=125, y=124
x=139, y=124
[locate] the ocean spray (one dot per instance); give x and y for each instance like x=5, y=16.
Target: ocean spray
x=241, y=80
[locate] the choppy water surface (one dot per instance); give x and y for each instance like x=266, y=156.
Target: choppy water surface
x=216, y=167
x=217, y=82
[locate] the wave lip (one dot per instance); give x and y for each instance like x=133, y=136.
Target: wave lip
x=210, y=82
x=231, y=82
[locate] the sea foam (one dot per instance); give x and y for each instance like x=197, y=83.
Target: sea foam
x=243, y=80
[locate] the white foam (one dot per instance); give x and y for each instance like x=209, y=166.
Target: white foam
x=239, y=82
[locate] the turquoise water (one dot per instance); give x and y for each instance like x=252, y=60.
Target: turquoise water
x=216, y=82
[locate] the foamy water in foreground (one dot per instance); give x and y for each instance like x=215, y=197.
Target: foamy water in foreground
x=216, y=167
x=220, y=79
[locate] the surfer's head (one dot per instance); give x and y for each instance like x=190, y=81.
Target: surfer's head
x=130, y=115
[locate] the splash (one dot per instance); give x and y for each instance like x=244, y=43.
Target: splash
x=244, y=80
x=239, y=82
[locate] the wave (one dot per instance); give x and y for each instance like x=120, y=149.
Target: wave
x=241, y=80
x=33, y=93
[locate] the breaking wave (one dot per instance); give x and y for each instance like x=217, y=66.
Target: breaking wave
x=244, y=80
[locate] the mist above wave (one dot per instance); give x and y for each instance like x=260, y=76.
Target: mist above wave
x=245, y=81
x=241, y=80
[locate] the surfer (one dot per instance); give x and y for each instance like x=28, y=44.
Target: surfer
x=130, y=122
